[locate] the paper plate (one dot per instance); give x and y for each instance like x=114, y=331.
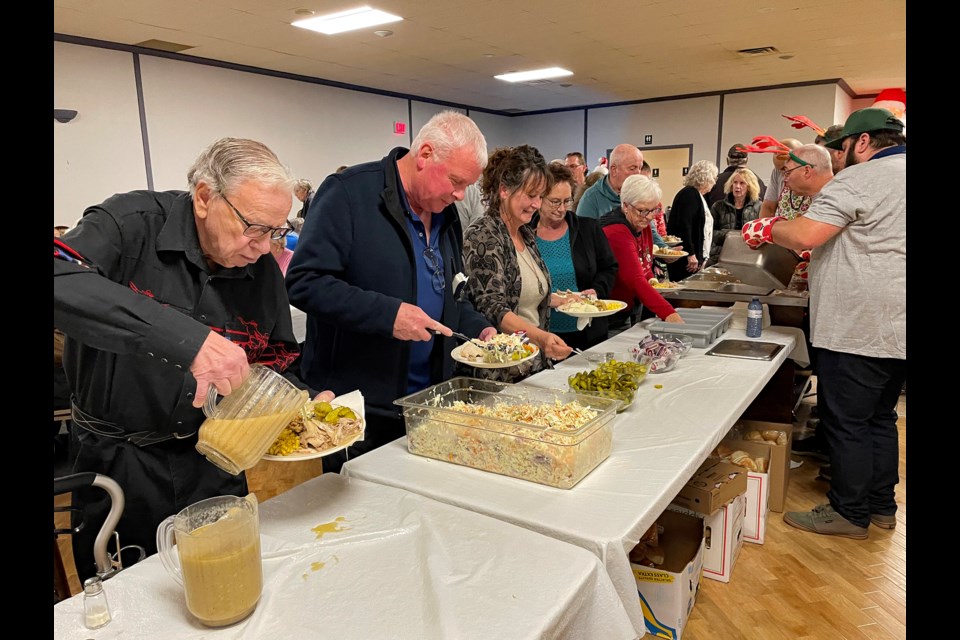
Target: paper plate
x=352, y=400
x=455, y=354
x=618, y=305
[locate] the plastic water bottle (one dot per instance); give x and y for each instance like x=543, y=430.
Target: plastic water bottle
x=754, y=318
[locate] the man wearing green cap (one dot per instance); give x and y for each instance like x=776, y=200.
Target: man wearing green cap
x=858, y=227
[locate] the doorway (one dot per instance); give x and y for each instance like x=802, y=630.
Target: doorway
x=668, y=164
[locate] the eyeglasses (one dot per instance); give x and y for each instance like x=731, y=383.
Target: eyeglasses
x=556, y=202
x=646, y=212
x=787, y=172
x=253, y=230
x=436, y=266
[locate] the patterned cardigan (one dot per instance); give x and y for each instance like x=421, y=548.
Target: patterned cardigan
x=490, y=260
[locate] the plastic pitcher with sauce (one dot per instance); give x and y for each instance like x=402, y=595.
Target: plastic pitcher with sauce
x=240, y=429
x=217, y=559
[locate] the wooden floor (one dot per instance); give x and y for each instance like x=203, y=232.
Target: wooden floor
x=797, y=585
x=800, y=585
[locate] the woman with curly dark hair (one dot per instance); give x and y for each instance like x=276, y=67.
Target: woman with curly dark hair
x=509, y=282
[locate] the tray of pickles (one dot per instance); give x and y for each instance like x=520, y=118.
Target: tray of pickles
x=618, y=378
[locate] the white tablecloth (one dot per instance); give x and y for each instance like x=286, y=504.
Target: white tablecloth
x=658, y=443
x=392, y=565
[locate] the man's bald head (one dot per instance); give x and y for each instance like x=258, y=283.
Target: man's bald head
x=807, y=169
x=625, y=161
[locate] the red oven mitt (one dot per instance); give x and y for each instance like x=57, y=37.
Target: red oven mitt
x=759, y=232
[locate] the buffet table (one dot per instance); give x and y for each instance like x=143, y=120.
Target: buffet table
x=658, y=443
x=346, y=558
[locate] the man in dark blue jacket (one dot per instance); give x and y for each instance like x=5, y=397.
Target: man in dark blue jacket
x=374, y=271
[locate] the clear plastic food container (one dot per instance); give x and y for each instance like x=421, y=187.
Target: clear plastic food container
x=559, y=455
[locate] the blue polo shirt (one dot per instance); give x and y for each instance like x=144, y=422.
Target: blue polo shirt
x=429, y=290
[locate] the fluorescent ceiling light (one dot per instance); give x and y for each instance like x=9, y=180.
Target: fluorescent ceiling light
x=358, y=18
x=536, y=74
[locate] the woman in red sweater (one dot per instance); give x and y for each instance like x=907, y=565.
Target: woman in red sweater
x=628, y=232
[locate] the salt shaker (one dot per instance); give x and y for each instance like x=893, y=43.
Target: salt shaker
x=96, y=609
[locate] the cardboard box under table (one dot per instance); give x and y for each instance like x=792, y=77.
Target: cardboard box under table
x=722, y=538
x=777, y=454
x=713, y=485
x=668, y=592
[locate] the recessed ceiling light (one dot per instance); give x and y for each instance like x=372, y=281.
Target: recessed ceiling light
x=488, y=55
x=350, y=20
x=536, y=74
x=383, y=33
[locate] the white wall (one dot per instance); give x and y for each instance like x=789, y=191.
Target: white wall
x=499, y=131
x=315, y=128
x=99, y=152
x=312, y=128
x=754, y=113
x=677, y=122
x=554, y=134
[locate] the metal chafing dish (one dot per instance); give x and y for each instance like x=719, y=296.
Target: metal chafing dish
x=771, y=266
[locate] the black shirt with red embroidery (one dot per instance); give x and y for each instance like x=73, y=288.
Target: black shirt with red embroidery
x=136, y=299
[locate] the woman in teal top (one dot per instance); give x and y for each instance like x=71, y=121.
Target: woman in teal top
x=577, y=255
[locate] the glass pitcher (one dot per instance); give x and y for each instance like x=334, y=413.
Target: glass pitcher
x=218, y=557
x=240, y=429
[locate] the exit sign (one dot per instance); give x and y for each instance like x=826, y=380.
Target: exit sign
x=399, y=128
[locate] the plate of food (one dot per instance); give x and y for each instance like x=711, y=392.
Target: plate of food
x=661, y=252
x=672, y=241
x=502, y=350
x=667, y=286
x=588, y=308
x=320, y=429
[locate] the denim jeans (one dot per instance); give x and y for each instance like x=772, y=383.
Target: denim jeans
x=857, y=401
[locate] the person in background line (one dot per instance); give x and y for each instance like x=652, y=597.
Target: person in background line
x=577, y=255
x=836, y=155
x=737, y=158
x=779, y=200
x=509, y=281
x=342, y=168
x=471, y=207
x=578, y=167
x=857, y=225
x=162, y=296
x=659, y=226
x=375, y=274
x=741, y=204
x=589, y=181
x=690, y=219
x=303, y=190
x=59, y=230
x=628, y=231
x=279, y=250
x=604, y=196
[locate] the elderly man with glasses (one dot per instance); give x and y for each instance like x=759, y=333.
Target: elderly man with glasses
x=162, y=296
x=376, y=271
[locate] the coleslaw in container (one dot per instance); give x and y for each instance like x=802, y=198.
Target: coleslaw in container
x=549, y=436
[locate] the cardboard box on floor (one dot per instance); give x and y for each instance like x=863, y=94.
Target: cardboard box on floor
x=668, y=593
x=778, y=455
x=722, y=538
x=713, y=485
x=756, y=507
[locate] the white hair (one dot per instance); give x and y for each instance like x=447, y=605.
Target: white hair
x=640, y=188
x=229, y=161
x=449, y=131
x=701, y=173
x=816, y=156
